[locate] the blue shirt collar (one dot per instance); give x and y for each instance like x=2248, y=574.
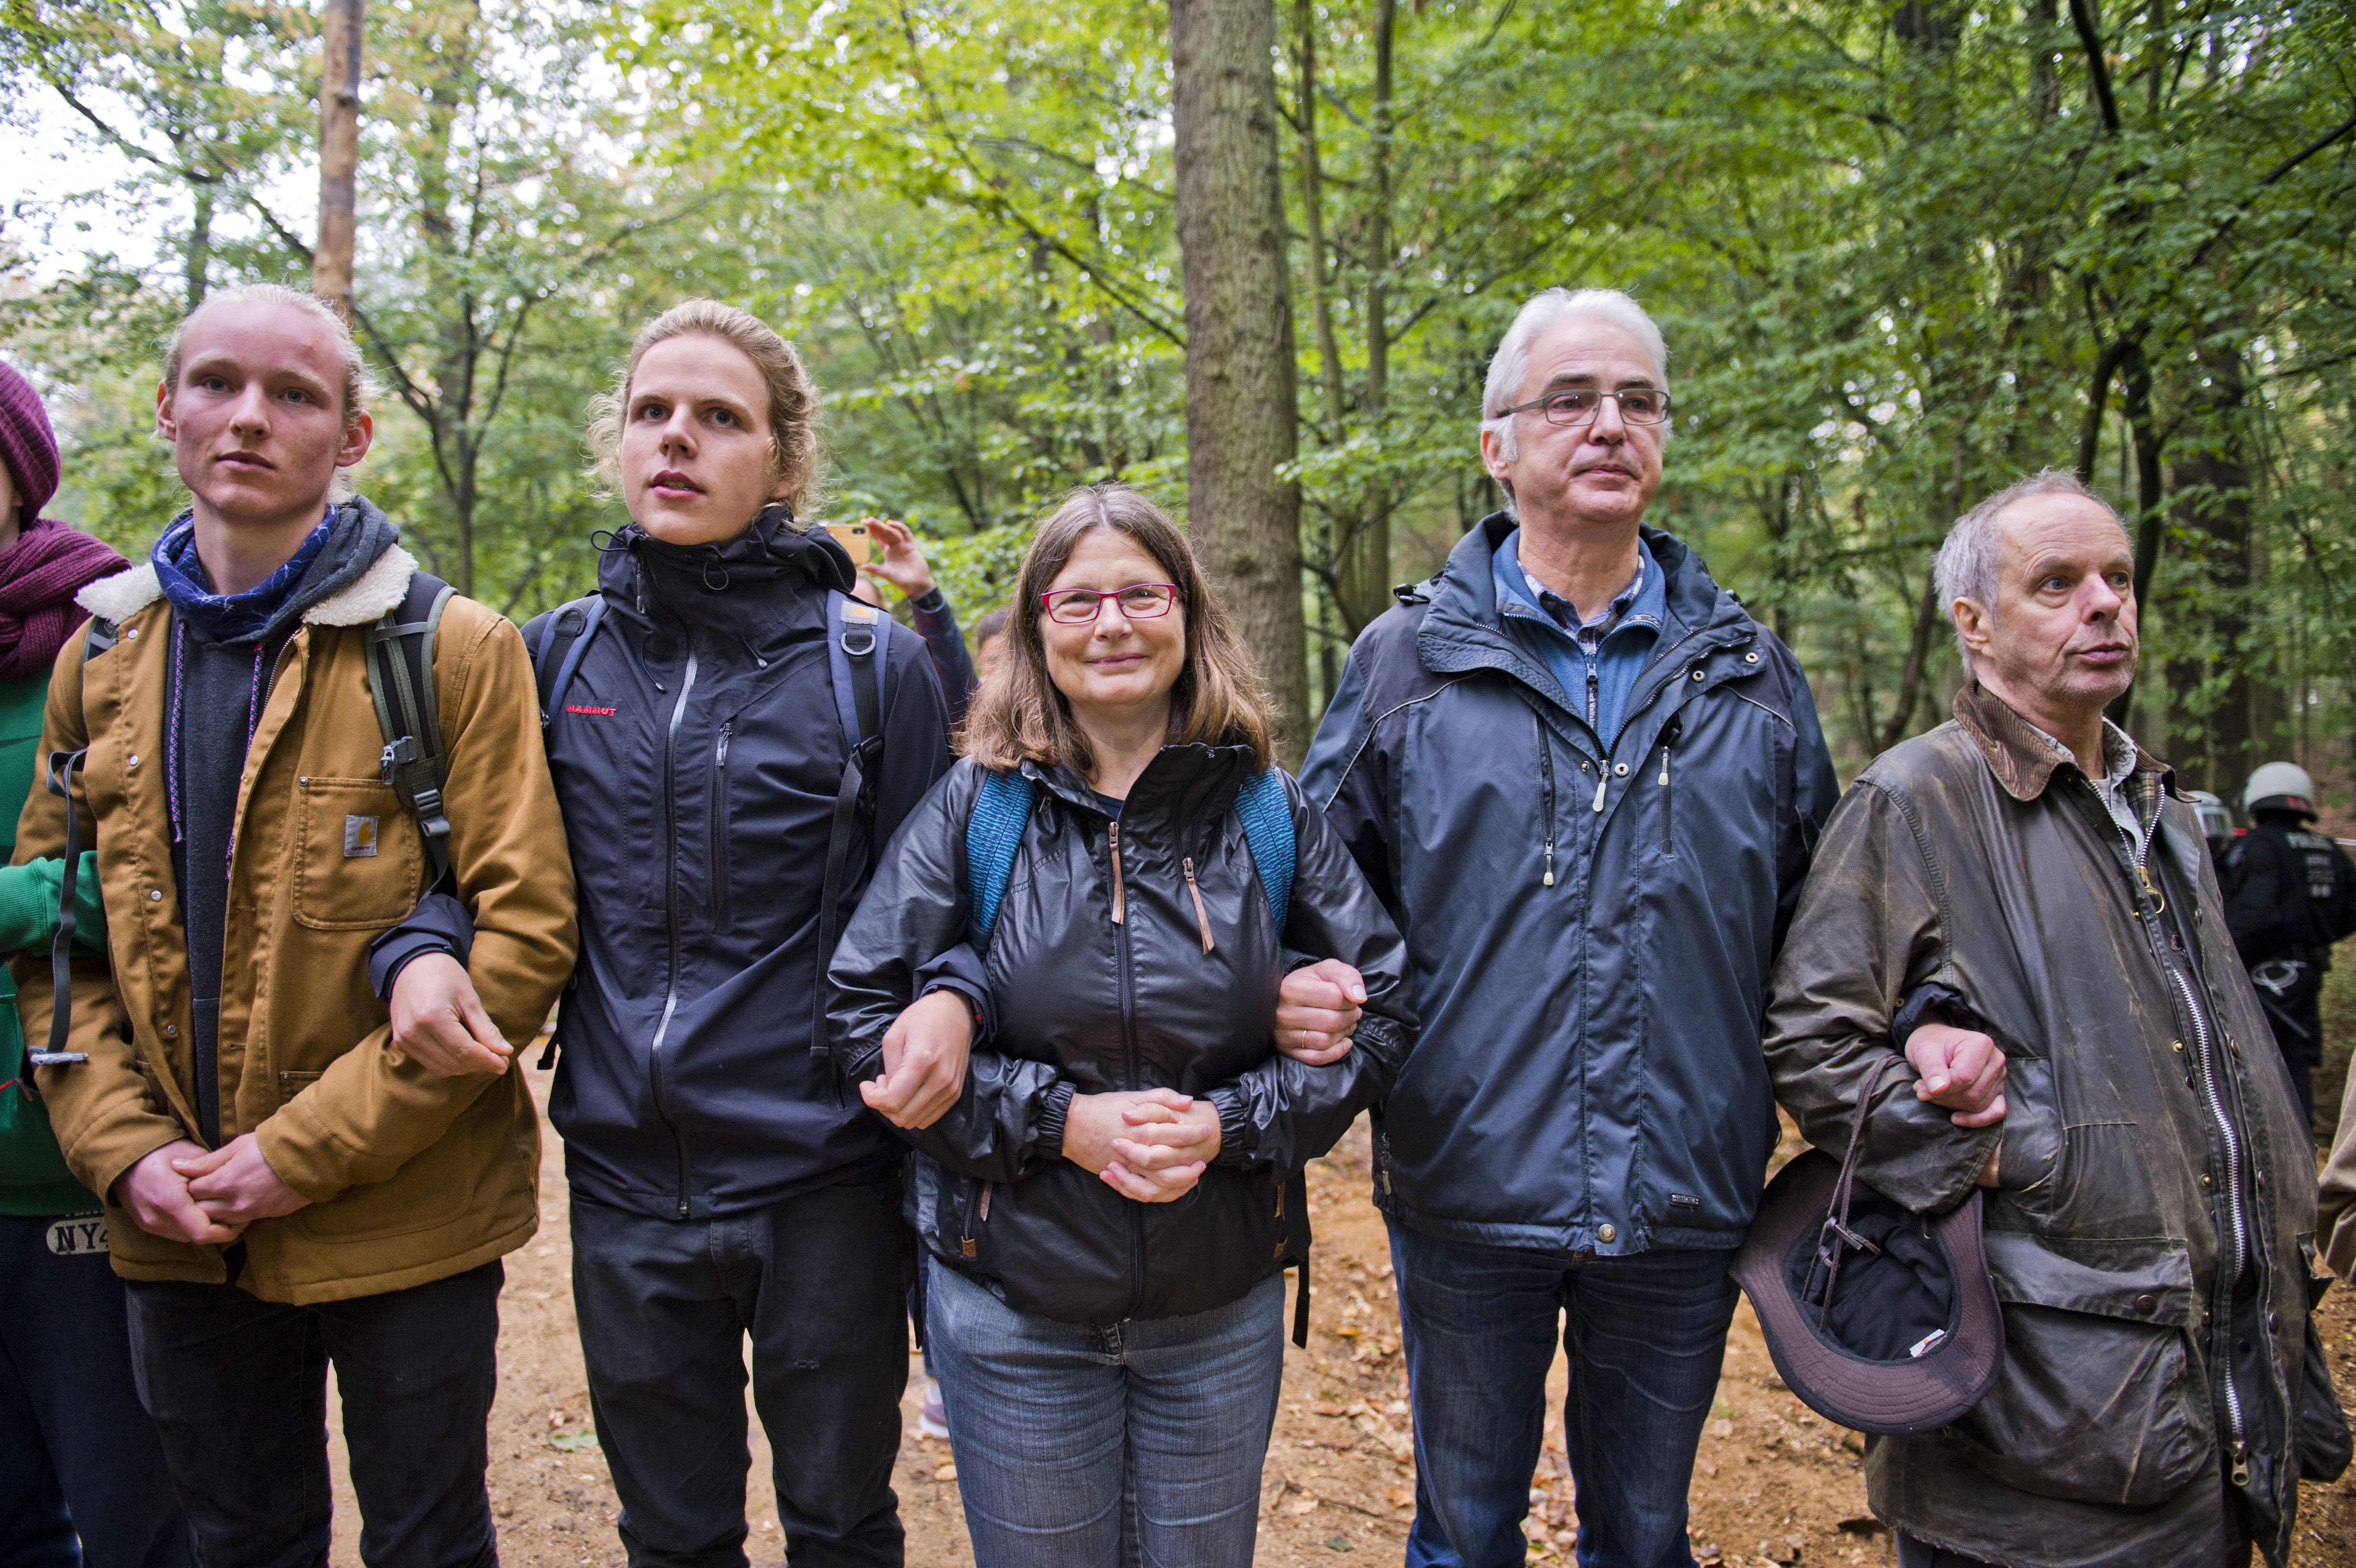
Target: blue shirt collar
x=1643, y=603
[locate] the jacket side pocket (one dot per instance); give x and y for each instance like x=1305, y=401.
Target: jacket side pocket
x=2101, y=1397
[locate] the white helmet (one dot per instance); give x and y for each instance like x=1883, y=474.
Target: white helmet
x=2285, y=783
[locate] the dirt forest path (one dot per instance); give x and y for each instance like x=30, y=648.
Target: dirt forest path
x=1775, y=1484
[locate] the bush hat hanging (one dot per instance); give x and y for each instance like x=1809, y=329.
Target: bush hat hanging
x=1876, y=1318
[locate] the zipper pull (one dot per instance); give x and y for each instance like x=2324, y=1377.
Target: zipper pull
x=1119, y=896
x=1201, y=921
x=1601, y=778
x=1665, y=765
x=1549, y=869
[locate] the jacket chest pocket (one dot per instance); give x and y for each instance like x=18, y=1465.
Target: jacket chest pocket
x=358, y=863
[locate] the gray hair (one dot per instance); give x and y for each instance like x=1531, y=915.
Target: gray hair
x=1511, y=363
x=1966, y=567
x=359, y=391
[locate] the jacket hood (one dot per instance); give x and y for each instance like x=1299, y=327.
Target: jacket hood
x=1187, y=783
x=348, y=542
x=376, y=588
x=1465, y=629
x=746, y=578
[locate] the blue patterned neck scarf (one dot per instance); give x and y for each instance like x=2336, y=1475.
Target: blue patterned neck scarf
x=227, y=617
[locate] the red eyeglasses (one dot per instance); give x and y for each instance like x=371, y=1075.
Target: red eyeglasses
x=1138, y=602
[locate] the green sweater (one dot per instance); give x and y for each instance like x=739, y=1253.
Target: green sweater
x=33, y=1176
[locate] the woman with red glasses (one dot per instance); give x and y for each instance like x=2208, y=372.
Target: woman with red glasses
x=1108, y=1208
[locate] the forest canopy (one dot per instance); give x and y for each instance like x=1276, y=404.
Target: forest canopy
x=1903, y=254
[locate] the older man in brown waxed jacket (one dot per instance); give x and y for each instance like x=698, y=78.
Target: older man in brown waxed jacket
x=2024, y=881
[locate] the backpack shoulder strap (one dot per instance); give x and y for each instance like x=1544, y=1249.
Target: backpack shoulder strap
x=854, y=644
x=100, y=636
x=557, y=641
x=409, y=711
x=1267, y=815
x=992, y=836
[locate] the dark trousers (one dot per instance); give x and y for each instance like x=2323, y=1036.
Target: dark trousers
x=1646, y=1337
x=239, y=1389
x=820, y=1281
x=78, y=1458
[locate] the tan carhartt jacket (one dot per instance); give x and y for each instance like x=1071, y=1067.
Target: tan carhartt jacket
x=2335, y=1209
x=411, y=1178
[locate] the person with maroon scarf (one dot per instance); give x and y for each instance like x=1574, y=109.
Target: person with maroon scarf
x=80, y=1460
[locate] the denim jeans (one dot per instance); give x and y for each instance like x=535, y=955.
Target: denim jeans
x=78, y=1458
x=1091, y=1445
x=820, y=1281
x=238, y=1390
x=1647, y=1336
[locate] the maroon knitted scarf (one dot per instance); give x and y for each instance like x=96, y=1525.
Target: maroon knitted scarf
x=39, y=575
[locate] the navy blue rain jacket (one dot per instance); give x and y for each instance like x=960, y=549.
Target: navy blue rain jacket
x=697, y=756
x=1589, y=1076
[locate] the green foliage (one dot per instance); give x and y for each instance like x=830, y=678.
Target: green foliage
x=1902, y=255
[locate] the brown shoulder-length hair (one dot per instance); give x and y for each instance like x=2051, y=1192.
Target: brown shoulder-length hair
x=1018, y=715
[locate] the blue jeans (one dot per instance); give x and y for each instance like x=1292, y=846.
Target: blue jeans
x=1090, y=1444
x=1647, y=1336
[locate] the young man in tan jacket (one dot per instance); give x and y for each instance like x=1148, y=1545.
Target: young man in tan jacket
x=293, y=1173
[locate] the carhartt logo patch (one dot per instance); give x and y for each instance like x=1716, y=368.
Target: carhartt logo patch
x=583, y=708
x=82, y=1233
x=360, y=837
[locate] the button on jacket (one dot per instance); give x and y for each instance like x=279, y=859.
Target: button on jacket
x=698, y=758
x=2151, y=1234
x=1589, y=928
x=1085, y=1003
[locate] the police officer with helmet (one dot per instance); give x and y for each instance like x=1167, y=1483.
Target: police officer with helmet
x=2290, y=894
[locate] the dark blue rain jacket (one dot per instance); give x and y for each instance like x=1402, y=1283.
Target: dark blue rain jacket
x=696, y=755
x=1589, y=930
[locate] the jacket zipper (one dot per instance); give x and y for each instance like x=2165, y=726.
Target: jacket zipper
x=1119, y=897
x=670, y=911
x=1594, y=688
x=2204, y=1045
x=718, y=836
x=1668, y=797
x=1546, y=794
x=1201, y=921
x=1128, y=1054
x=967, y=1243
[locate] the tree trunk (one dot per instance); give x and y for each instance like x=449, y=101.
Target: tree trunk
x=1241, y=424
x=1363, y=569
x=340, y=150
x=2229, y=735
x=200, y=246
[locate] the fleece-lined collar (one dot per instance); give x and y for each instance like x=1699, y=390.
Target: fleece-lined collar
x=368, y=597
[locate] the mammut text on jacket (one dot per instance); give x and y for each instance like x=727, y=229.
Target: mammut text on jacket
x=411, y=1178
x=697, y=757
x=1588, y=931
x=1086, y=1004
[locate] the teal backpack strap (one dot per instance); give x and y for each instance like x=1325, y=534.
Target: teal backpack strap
x=993, y=834
x=1267, y=815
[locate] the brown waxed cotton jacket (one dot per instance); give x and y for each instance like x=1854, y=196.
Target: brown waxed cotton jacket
x=1979, y=859
x=411, y=1178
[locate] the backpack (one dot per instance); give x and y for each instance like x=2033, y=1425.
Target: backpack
x=994, y=832
x=408, y=714
x=856, y=631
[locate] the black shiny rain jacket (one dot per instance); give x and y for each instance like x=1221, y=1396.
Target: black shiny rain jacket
x=1087, y=1003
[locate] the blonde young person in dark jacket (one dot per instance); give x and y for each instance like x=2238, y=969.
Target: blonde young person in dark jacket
x=295, y=1174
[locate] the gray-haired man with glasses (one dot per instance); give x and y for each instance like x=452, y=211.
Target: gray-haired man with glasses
x=1587, y=784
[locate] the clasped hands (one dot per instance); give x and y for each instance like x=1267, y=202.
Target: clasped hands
x=1962, y=1070
x=1151, y=1144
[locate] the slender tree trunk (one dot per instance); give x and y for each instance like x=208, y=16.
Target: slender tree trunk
x=200, y=245
x=1362, y=571
x=2151, y=524
x=2230, y=735
x=1241, y=424
x=340, y=150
